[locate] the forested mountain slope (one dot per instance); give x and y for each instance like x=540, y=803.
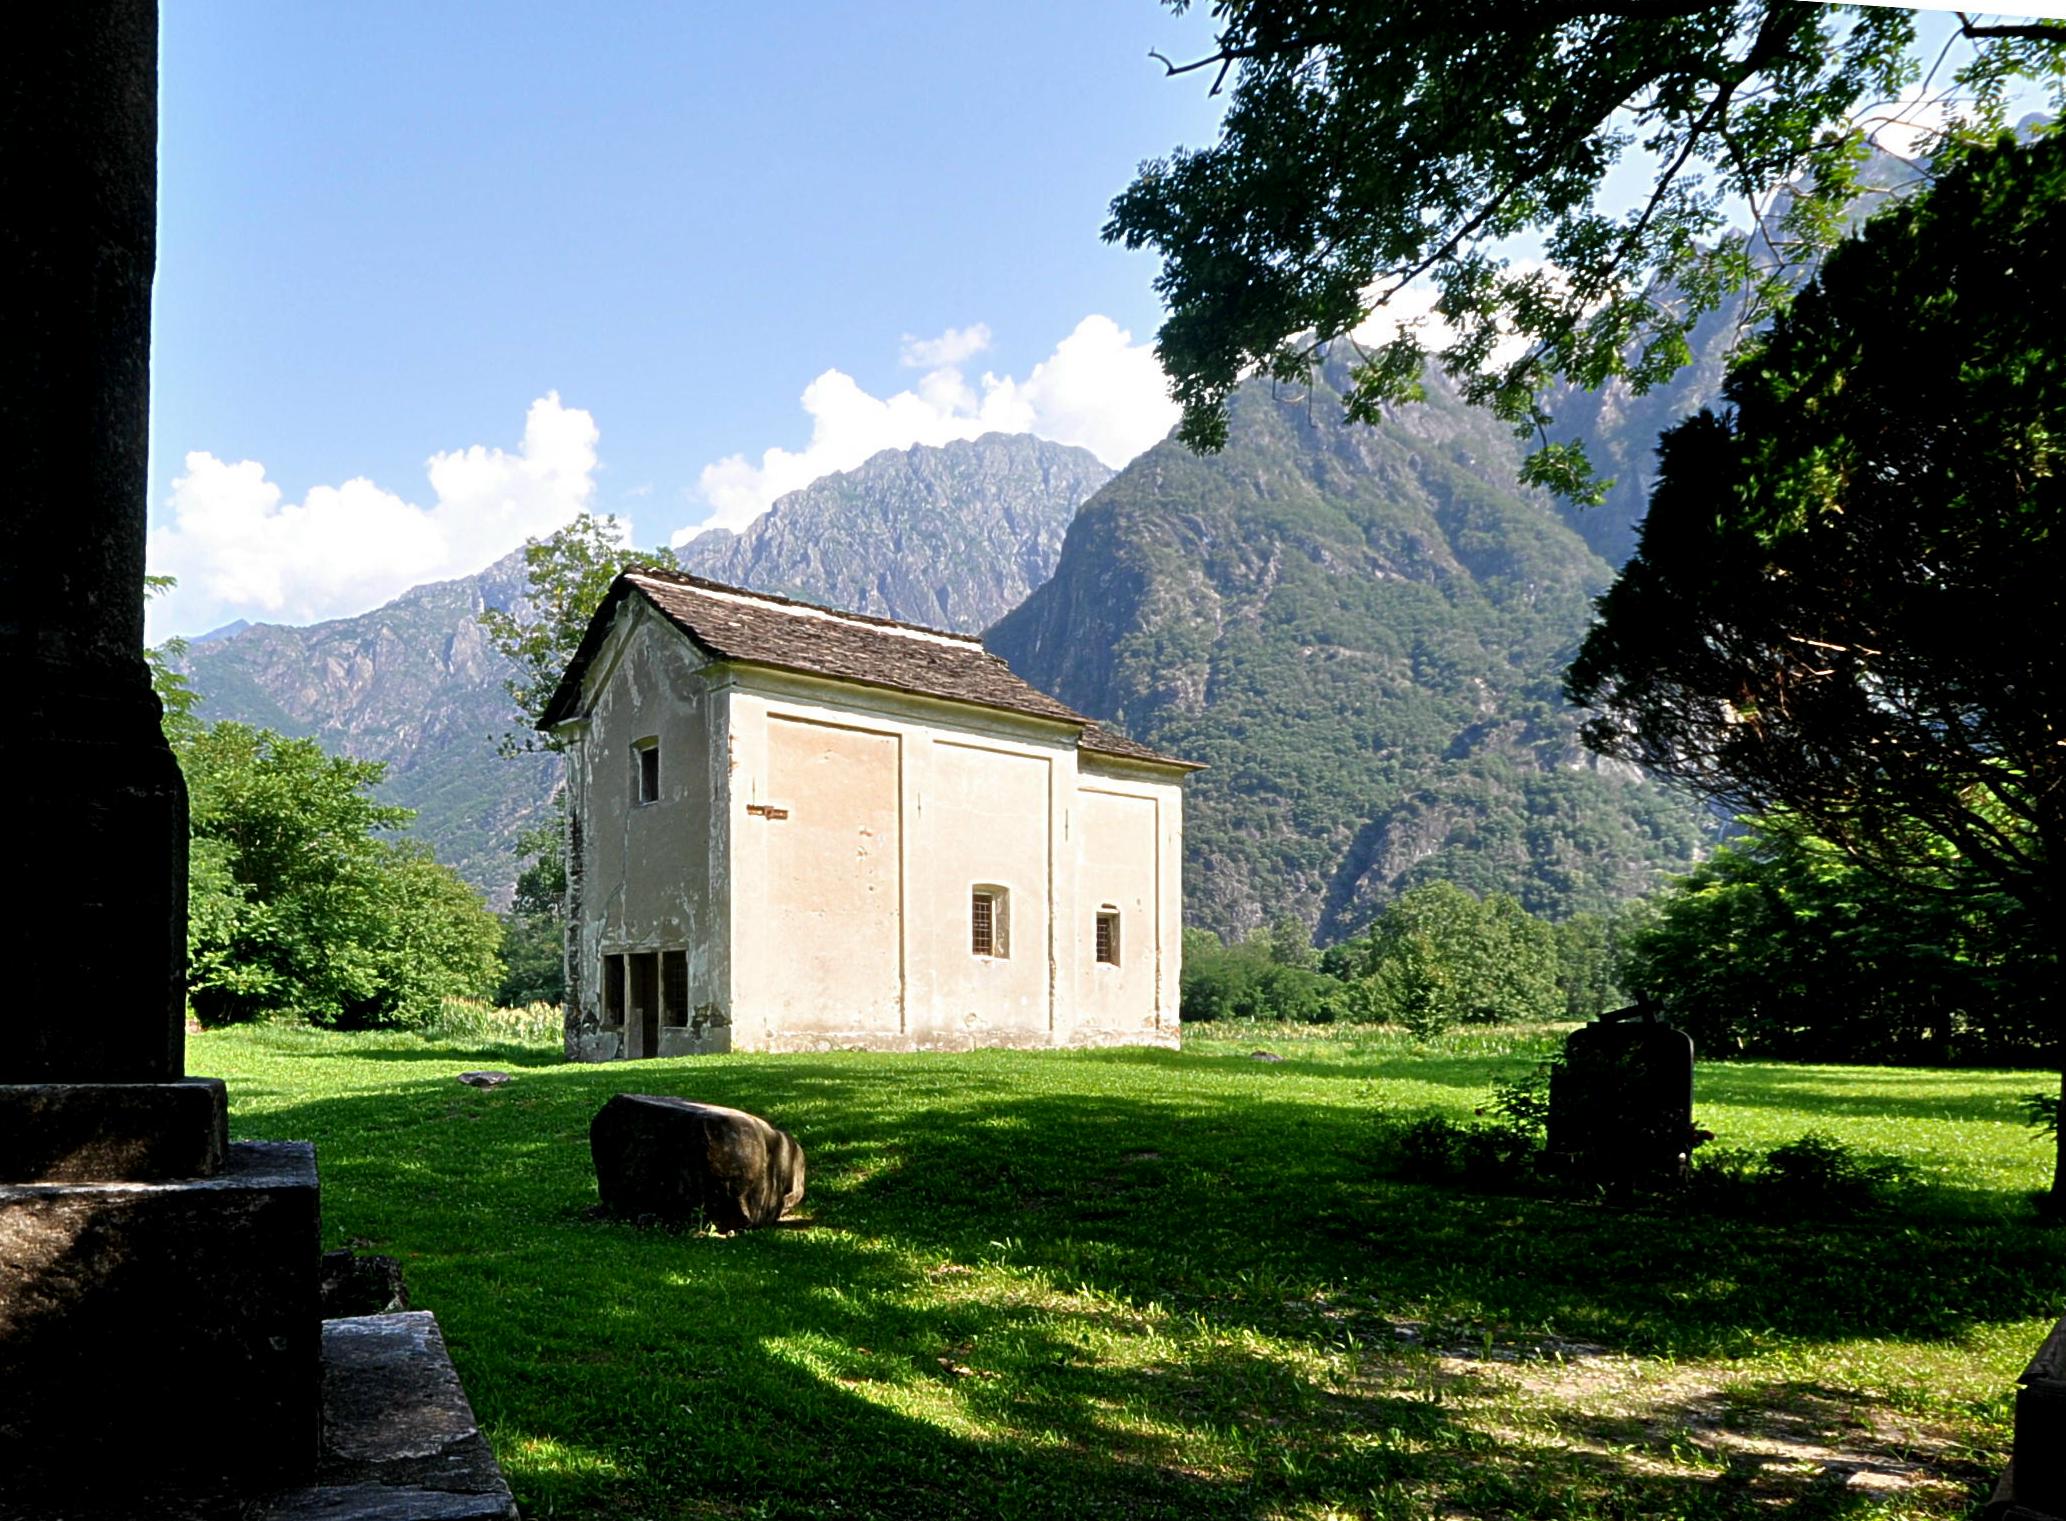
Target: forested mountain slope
x=1361, y=631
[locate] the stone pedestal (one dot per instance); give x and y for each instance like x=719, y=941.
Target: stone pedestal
x=142, y=1132
x=161, y=1343
x=165, y=1327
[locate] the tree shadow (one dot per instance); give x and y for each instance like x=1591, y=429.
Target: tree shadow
x=1007, y=1301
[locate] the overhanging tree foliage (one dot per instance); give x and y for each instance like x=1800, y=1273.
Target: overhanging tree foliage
x=1367, y=146
x=1844, y=600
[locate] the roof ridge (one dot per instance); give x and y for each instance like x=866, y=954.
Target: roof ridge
x=726, y=588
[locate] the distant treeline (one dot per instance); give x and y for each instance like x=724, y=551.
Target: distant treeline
x=1777, y=946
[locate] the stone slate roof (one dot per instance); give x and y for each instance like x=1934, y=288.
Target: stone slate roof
x=759, y=628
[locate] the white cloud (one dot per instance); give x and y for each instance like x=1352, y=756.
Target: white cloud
x=1909, y=126
x=238, y=550
x=951, y=347
x=1413, y=309
x=1098, y=389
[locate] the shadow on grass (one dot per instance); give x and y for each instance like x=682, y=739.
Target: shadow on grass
x=1058, y=1302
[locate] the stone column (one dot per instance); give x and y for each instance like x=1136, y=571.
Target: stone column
x=163, y=1350
x=154, y=1281
x=95, y=942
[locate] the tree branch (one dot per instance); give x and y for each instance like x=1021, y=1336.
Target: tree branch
x=2027, y=31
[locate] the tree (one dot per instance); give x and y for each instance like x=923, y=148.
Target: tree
x=1440, y=954
x=297, y=906
x=569, y=571
x=1780, y=945
x=1366, y=146
x=1834, y=604
x=534, y=929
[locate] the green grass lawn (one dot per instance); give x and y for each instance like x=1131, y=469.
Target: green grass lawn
x=1143, y=1283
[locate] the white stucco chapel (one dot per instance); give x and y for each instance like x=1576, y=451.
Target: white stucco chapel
x=792, y=828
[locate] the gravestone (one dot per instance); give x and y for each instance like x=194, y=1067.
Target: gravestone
x=1621, y=1102
x=2034, y=1488
x=162, y=1347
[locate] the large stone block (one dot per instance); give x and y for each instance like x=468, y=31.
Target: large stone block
x=168, y=1329
x=676, y=1159
x=109, y=1132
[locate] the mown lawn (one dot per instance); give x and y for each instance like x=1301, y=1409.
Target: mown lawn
x=1154, y=1284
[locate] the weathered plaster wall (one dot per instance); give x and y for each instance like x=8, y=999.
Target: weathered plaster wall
x=987, y=816
x=1126, y=841
x=979, y=799
x=648, y=877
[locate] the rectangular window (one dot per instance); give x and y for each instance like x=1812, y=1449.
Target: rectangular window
x=989, y=922
x=1108, y=936
x=613, y=990
x=674, y=989
x=645, y=756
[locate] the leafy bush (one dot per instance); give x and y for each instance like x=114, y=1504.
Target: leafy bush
x=1815, y=1175
x=1780, y=946
x=1523, y=1102
x=1440, y=955
x=1268, y=976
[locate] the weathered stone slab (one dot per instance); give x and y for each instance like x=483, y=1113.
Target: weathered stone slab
x=400, y=1442
x=677, y=1159
x=162, y=1328
x=1621, y=1102
x=101, y=1132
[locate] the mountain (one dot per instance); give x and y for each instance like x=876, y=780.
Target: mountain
x=1620, y=429
x=1361, y=631
x=413, y=684
x=951, y=537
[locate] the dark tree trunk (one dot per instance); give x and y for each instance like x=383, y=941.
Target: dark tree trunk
x=2055, y=1201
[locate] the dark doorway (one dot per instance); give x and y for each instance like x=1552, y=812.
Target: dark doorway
x=645, y=1002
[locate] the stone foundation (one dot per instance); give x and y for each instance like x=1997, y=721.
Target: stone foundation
x=162, y=1327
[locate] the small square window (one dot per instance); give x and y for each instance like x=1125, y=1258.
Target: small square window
x=989, y=922
x=645, y=756
x=1108, y=936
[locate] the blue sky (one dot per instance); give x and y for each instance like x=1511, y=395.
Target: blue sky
x=433, y=277
x=387, y=231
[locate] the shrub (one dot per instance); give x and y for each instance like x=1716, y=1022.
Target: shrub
x=1523, y=1102
x=1814, y=1175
